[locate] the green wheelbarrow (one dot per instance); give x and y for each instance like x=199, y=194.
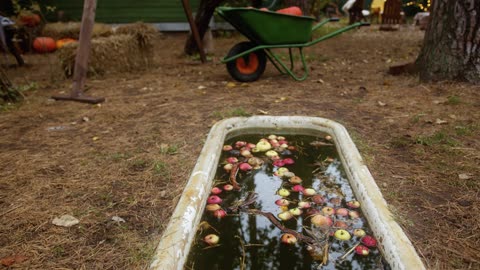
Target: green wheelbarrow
x=267, y=30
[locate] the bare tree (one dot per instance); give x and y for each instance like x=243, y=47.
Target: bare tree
x=451, y=49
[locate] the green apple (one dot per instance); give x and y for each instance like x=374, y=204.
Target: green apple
x=342, y=235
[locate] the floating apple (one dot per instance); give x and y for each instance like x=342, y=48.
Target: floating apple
x=246, y=153
x=328, y=138
x=212, y=207
x=272, y=137
x=369, y=241
x=362, y=250
x=281, y=171
x=288, y=175
x=228, y=187
x=295, y=180
x=282, y=202
x=296, y=211
x=214, y=199
x=304, y=204
x=353, y=204
x=298, y=188
x=309, y=192
x=342, y=235
x=288, y=161
x=235, y=152
x=343, y=212
x=255, y=162
x=250, y=146
x=359, y=232
x=240, y=144
x=329, y=160
x=211, y=239
x=263, y=146
x=340, y=224
x=321, y=221
x=220, y=213
x=312, y=211
x=228, y=167
x=232, y=160
x=328, y=211
x=280, y=138
x=216, y=190
x=271, y=153
x=318, y=199
x=354, y=214
x=286, y=215
x=288, y=238
x=283, y=192
x=278, y=163
x=245, y=167
x=227, y=148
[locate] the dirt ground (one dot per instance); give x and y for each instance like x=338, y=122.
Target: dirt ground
x=131, y=156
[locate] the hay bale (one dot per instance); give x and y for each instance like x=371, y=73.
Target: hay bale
x=60, y=30
x=117, y=53
x=144, y=33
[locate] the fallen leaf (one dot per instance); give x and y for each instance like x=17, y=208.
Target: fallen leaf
x=118, y=219
x=65, y=221
x=201, y=87
x=465, y=176
x=95, y=138
x=320, y=81
x=85, y=119
x=10, y=260
x=231, y=84
x=440, y=121
x=381, y=103
x=262, y=111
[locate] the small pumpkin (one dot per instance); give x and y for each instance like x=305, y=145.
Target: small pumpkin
x=293, y=10
x=30, y=19
x=44, y=44
x=62, y=42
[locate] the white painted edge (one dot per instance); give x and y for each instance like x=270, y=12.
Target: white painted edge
x=173, y=249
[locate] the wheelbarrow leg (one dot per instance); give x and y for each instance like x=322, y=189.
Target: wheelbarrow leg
x=282, y=68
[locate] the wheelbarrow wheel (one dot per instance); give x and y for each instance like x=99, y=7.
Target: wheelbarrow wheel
x=247, y=68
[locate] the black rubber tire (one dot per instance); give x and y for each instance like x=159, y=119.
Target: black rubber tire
x=233, y=68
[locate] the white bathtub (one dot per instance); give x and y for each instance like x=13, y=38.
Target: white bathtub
x=177, y=239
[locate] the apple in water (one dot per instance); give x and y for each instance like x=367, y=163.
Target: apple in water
x=296, y=211
x=343, y=212
x=220, y=213
x=328, y=210
x=282, y=202
x=286, y=215
x=321, y=221
x=216, y=190
x=227, y=148
x=228, y=187
x=353, y=204
x=212, y=207
x=295, y=180
x=359, y=232
x=298, y=188
x=342, y=235
x=288, y=238
x=283, y=192
x=369, y=241
x=211, y=239
x=263, y=146
x=354, y=214
x=309, y=192
x=304, y=204
x=214, y=199
x=362, y=250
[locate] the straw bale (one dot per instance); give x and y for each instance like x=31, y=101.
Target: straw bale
x=144, y=33
x=60, y=30
x=117, y=53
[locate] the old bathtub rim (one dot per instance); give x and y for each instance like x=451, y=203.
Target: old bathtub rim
x=176, y=240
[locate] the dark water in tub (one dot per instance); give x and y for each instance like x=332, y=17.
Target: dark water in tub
x=252, y=241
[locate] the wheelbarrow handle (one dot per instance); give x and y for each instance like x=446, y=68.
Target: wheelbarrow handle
x=365, y=24
x=320, y=24
x=334, y=19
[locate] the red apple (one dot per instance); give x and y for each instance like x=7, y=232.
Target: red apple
x=369, y=241
x=362, y=250
x=214, y=199
x=321, y=221
x=288, y=238
x=216, y=190
x=211, y=239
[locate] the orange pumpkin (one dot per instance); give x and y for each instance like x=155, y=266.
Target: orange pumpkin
x=61, y=42
x=44, y=44
x=30, y=19
x=293, y=10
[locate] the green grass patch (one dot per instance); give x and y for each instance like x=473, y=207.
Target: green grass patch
x=454, y=100
x=438, y=138
x=167, y=149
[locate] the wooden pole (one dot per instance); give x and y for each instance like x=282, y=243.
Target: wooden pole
x=193, y=27
x=81, y=59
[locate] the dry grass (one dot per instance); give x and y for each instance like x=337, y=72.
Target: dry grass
x=61, y=30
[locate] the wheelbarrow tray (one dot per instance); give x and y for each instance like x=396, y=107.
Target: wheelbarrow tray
x=267, y=27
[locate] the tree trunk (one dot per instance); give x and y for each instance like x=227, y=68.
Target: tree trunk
x=451, y=48
x=202, y=18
